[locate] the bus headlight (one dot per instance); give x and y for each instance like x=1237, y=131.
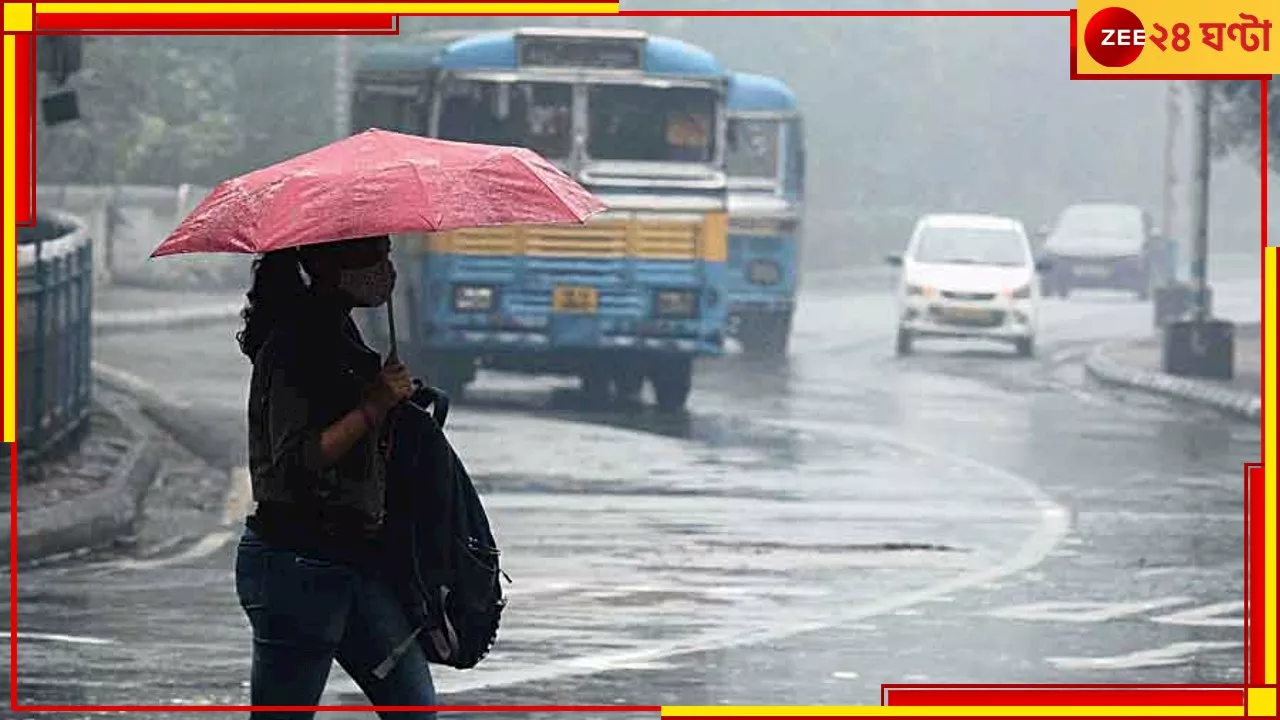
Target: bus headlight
x=764, y=272
x=472, y=298
x=675, y=303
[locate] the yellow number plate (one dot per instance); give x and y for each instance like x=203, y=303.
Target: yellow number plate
x=574, y=299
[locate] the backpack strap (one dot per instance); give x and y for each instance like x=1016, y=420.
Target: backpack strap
x=425, y=396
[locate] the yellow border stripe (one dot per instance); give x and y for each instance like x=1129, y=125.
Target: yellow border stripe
x=1262, y=702
x=10, y=242
x=996, y=711
x=409, y=8
x=1269, y=470
x=17, y=17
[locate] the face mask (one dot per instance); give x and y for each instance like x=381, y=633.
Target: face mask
x=368, y=286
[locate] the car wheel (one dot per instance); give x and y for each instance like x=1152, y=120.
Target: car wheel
x=1026, y=346
x=904, y=342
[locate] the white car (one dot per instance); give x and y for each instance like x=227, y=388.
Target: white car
x=968, y=276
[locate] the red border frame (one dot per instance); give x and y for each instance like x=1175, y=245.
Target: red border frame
x=954, y=695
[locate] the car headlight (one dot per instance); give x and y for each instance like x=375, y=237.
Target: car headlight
x=675, y=303
x=472, y=298
x=1021, y=293
x=913, y=289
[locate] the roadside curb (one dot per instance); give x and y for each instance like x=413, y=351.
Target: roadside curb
x=1102, y=365
x=144, y=319
x=97, y=519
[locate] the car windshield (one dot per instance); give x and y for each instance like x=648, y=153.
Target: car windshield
x=971, y=246
x=1099, y=225
x=629, y=122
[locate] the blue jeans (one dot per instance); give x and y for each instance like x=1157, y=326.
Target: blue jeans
x=306, y=613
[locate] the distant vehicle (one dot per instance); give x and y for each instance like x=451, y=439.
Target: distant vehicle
x=1109, y=246
x=766, y=205
x=968, y=276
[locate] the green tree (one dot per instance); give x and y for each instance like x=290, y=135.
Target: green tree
x=150, y=112
x=1238, y=118
x=168, y=110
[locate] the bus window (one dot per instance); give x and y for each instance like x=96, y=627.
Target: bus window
x=753, y=148
x=795, y=158
x=546, y=118
x=533, y=115
x=384, y=111
x=640, y=123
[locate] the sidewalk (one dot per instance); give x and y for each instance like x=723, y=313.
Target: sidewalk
x=1137, y=364
x=129, y=308
x=89, y=497
x=94, y=496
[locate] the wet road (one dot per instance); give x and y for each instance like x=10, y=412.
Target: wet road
x=810, y=531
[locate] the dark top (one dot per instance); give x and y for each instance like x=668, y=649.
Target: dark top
x=307, y=375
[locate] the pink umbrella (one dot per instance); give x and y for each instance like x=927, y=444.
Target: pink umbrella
x=379, y=183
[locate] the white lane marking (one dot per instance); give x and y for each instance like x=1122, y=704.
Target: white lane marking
x=73, y=639
x=1174, y=654
x=130, y=383
x=1053, y=525
x=844, y=675
x=1084, y=612
x=205, y=546
x=1207, y=616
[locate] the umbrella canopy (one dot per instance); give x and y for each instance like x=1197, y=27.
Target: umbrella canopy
x=379, y=183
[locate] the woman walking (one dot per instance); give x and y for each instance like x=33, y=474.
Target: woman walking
x=307, y=567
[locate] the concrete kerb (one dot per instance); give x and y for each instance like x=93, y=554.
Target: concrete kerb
x=99, y=518
x=123, y=321
x=1102, y=365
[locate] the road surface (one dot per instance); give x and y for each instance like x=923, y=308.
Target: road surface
x=811, y=530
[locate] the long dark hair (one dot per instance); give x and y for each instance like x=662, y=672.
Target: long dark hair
x=275, y=294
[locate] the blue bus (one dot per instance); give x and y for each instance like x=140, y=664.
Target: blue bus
x=635, y=294
x=766, y=165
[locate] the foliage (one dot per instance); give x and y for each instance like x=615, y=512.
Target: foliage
x=1238, y=119
x=167, y=110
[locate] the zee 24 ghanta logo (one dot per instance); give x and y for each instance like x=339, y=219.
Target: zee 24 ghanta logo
x=1115, y=37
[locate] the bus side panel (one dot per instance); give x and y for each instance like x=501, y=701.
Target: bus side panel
x=746, y=249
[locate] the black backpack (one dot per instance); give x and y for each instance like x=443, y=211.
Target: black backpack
x=442, y=556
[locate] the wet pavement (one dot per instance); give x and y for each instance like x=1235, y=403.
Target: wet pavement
x=811, y=530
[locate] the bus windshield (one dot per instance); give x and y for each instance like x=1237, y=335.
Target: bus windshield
x=629, y=122
x=753, y=148
x=535, y=115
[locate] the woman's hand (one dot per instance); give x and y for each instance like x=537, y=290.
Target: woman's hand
x=392, y=385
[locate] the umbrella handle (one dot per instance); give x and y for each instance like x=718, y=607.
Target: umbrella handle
x=391, y=328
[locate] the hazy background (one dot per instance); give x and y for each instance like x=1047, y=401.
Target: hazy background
x=904, y=116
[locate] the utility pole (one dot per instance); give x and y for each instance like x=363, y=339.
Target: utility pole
x=341, y=86
x=1172, y=122
x=1200, y=346
x=1200, y=199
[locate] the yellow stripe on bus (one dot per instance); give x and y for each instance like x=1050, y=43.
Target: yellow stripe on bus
x=641, y=239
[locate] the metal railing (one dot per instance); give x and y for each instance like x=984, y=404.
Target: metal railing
x=54, y=306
